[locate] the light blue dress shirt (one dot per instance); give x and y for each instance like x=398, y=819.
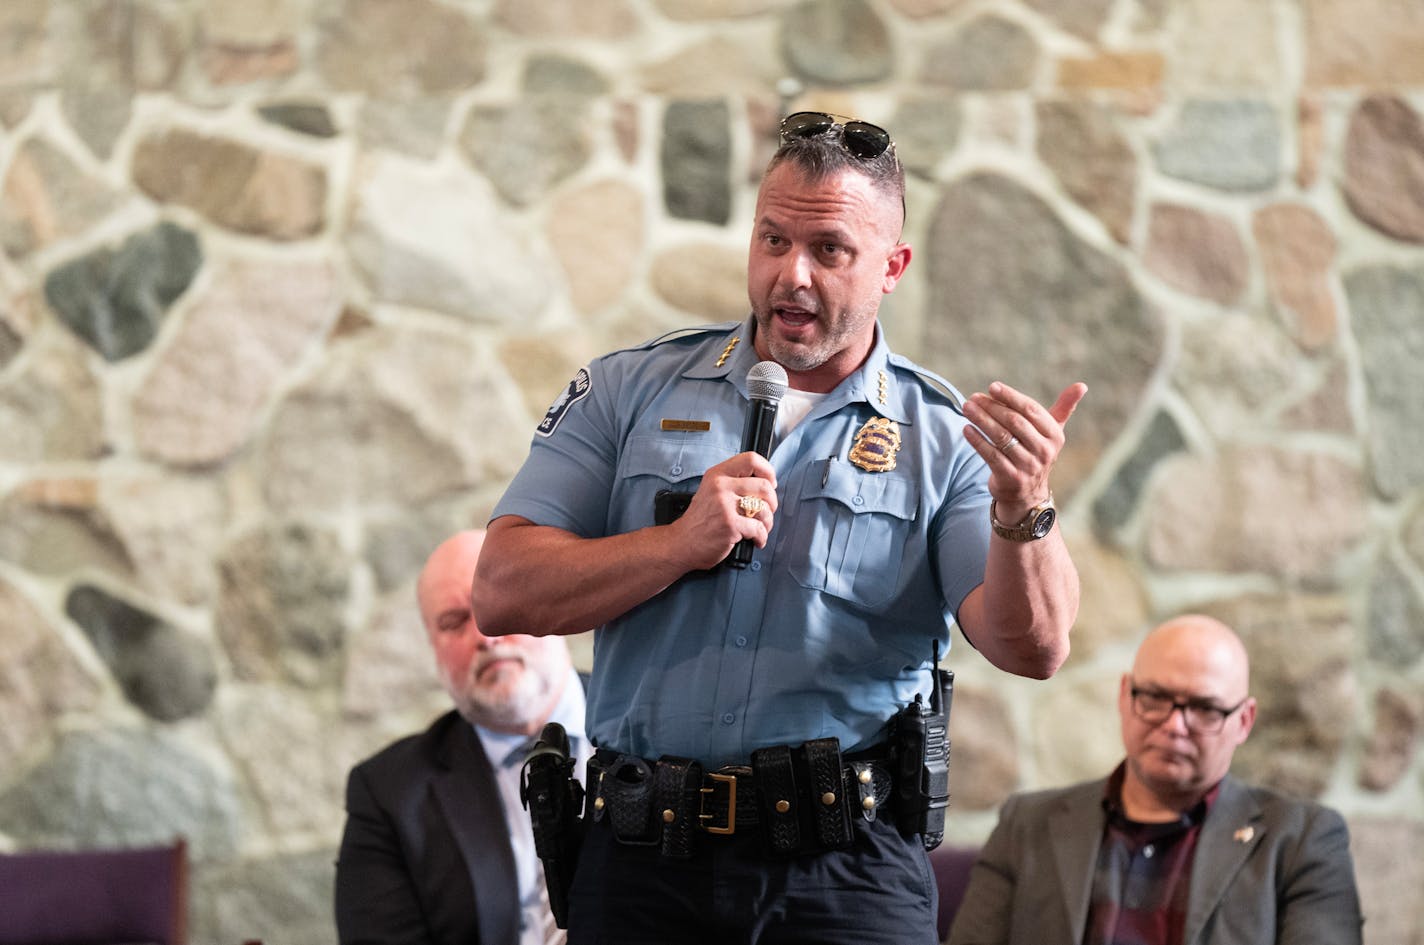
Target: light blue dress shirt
x=828, y=632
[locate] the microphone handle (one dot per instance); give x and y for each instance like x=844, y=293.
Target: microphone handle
x=756, y=438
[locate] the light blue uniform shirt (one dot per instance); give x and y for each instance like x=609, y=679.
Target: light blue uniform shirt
x=828, y=632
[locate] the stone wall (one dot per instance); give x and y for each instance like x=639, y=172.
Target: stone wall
x=285, y=285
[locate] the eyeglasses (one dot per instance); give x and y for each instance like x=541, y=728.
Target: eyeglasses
x=1155, y=707
x=861, y=138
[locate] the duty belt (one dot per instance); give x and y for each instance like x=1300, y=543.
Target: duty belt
x=797, y=800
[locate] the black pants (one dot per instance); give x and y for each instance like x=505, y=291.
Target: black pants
x=730, y=892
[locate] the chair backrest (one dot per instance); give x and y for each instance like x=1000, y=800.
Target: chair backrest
x=951, y=868
x=80, y=897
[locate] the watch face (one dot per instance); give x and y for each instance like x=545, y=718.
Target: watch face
x=1043, y=523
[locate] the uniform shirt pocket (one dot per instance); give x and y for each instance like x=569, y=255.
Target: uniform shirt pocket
x=851, y=530
x=652, y=463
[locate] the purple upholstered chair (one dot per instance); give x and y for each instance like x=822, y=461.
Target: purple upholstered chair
x=95, y=897
x=951, y=868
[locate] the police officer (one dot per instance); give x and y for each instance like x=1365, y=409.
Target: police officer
x=739, y=789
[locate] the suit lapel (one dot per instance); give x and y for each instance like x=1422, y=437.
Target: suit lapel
x=1231, y=831
x=1076, y=830
x=469, y=799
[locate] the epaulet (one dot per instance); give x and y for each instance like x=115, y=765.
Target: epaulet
x=680, y=334
x=933, y=380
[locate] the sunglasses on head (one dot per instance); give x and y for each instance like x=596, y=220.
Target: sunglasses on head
x=861, y=138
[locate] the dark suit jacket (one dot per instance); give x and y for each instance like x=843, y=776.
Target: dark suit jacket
x=425, y=857
x=1267, y=869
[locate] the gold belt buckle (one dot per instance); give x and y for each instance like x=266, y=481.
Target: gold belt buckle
x=731, y=781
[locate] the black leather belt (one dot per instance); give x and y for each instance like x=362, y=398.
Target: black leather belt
x=797, y=800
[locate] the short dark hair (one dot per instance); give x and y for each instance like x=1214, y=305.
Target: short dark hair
x=823, y=156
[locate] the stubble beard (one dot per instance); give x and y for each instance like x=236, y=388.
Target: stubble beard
x=504, y=704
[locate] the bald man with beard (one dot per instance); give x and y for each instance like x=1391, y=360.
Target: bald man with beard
x=437, y=849
x=1169, y=849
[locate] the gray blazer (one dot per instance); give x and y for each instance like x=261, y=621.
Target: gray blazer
x=1267, y=868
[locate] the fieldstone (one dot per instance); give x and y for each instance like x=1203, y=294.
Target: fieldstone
x=926, y=9
x=596, y=231
x=707, y=280
x=1298, y=255
x=40, y=679
x=287, y=751
x=251, y=24
x=1081, y=143
x=47, y=198
x=1112, y=606
x=28, y=45
x=1387, y=316
x=715, y=67
x=283, y=591
x=415, y=128
x=1004, y=274
x=395, y=548
x=581, y=19
x=1393, y=741
x=1199, y=253
x=696, y=161
x=124, y=788
x=283, y=898
x=436, y=237
x=1075, y=728
x=1389, y=873
x=1396, y=617
x=562, y=76
x=307, y=118
x=394, y=417
x=252, y=324
x=389, y=665
x=1115, y=505
x=401, y=49
x=836, y=42
x=149, y=57
x=57, y=532
x=1384, y=167
x=1234, y=369
x=542, y=365
x=1230, y=144
x=1363, y=43
x=1149, y=17
x=1301, y=657
x=117, y=300
x=1083, y=18
x=926, y=131
x=1121, y=71
x=528, y=148
x=170, y=528
x=244, y=189
x=1239, y=512
x=228, y=65
x=98, y=116
x=51, y=407
x=12, y=338
x=987, y=54
x=166, y=673
x=1412, y=536
x=1222, y=44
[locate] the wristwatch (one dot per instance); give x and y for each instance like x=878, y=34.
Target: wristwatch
x=1035, y=525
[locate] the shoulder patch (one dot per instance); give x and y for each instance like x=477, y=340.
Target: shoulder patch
x=578, y=389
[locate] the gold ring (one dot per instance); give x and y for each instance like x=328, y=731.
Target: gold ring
x=749, y=505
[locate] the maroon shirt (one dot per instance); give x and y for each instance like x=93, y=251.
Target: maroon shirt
x=1144, y=874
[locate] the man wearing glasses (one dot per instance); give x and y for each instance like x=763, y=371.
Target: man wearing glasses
x=745, y=788
x=1169, y=849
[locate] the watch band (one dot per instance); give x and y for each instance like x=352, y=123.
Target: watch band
x=1034, y=526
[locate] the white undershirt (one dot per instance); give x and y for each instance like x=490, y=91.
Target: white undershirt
x=795, y=404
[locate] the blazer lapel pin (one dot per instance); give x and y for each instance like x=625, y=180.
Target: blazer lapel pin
x=1244, y=835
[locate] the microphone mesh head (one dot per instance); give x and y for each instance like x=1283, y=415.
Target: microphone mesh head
x=767, y=380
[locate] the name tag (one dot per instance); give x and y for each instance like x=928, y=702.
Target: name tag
x=687, y=426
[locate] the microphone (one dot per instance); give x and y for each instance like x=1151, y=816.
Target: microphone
x=766, y=385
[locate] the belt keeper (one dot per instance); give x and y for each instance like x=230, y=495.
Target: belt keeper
x=677, y=784
x=865, y=783
x=778, y=799
x=830, y=811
